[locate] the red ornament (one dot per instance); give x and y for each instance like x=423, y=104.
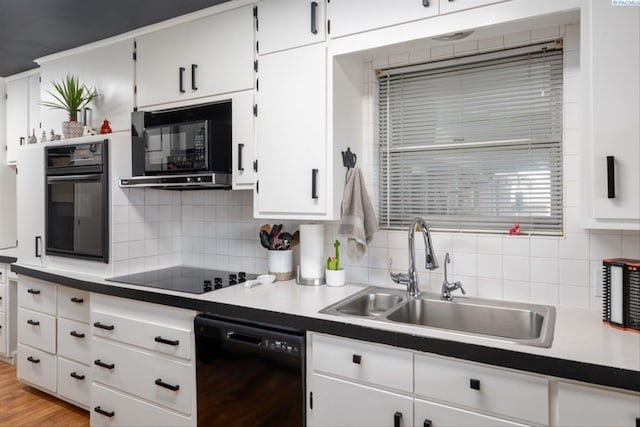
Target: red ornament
x=105, y=127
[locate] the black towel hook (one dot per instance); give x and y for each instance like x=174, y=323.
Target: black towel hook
x=349, y=159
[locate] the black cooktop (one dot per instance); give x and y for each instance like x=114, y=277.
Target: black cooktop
x=185, y=279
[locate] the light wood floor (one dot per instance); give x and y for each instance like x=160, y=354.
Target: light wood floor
x=21, y=405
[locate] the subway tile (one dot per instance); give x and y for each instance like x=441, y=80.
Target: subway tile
x=515, y=268
x=492, y=43
x=151, y=196
x=574, y=246
x=574, y=272
x=516, y=39
x=576, y=296
x=544, y=270
x=464, y=243
x=120, y=251
x=546, y=247
x=442, y=51
x=419, y=55
x=490, y=266
x=631, y=244
x=489, y=288
x=462, y=264
x=545, y=33
x=605, y=245
x=489, y=245
x=120, y=214
x=515, y=246
x=401, y=58
x=466, y=47
x=544, y=293
x=359, y=275
x=515, y=290
x=120, y=233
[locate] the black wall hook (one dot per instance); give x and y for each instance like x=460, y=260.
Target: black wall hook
x=349, y=158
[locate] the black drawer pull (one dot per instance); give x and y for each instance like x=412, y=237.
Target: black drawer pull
x=474, y=384
x=34, y=291
x=611, y=177
x=314, y=183
x=396, y=419
x=314, y=25
x=356, y=359
x=33, y=322
x=181, y=79
x=240, y=149
x=101, y=411
x=638, y=422
x=193, y=77
x=427, y=423
x=76, y=334
x=77, y=300
x=104, y=365
x=166, y=341
x=103, y=326
x=33, y=359
x=76, y=376
x=425, y=3
x=161, y=383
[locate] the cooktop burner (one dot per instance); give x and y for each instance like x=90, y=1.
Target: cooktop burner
x=185, y=279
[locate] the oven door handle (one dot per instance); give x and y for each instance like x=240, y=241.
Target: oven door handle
x=88, y=177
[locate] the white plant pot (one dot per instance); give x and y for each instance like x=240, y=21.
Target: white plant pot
x=335, y=277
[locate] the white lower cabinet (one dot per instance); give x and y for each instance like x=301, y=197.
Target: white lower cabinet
x=74, y=381
x=431, y=414
x=580, y=405
x=37, y=367
x=143, y=367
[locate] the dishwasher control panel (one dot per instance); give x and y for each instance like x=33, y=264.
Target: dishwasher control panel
x=281, y=345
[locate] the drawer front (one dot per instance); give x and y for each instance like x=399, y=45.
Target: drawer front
x=74, y=381
x=37, y=367
x=365, y=362
x=3, y=333
x=37, y=330
x=118, y=409
x=137, y=372
x=73, y=304
x=492, y=390
x=430, y=413
x=37, y=295
x=3, y=298
x=74, y=340
x=164, y=339
x=589, y=406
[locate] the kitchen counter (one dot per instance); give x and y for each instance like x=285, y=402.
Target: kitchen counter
x=7, y=256
x=583, y=348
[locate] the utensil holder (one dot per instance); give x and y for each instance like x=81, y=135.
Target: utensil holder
x=281, y=264
x=621, y=293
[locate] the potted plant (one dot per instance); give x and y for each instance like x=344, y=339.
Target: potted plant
x=71, y=96
x=334, y=275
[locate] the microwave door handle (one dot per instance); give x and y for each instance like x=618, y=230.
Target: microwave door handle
x=90, y=177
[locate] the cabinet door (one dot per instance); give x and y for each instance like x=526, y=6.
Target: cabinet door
x=355, y=16
x=244, y=149
x=448, y=6
x=589, y=406
x=161, y=59
x=34, y=105
x=343, y=403
x=616, y=89
x=222, y=51
x=30, y=188
x=17, y=115
x=292, y=132
x=284, y=24
x=437, y=415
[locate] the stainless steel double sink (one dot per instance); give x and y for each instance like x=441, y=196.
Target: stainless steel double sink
x=519, y=323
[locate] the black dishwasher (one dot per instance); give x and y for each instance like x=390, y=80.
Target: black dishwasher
x=249, y=374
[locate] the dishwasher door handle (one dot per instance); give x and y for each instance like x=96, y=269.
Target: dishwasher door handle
x=248, y=339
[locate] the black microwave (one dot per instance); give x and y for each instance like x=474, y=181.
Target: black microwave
x=192, y=142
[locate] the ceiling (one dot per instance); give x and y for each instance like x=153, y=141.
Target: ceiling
x=30, y=29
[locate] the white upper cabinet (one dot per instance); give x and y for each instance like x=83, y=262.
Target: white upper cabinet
x=23, y=112
x=356, y=16
x=244, y=149
x=285, y=24
x=615, y=62
x=448, y=6
x=292, y=168
x=210, y=56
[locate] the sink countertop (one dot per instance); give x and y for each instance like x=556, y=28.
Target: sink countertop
x=7, y=256
x=580, y=337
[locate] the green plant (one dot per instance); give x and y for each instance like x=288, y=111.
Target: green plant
x=70, y=96
x=333, y=263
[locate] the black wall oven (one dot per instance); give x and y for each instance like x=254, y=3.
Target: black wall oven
x=77, y=201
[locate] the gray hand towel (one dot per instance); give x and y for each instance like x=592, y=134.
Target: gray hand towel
x=359, y=221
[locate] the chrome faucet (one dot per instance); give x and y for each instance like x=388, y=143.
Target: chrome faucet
x=410, y=279
x=448, y=287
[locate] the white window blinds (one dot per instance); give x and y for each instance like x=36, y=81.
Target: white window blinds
x=474, y=143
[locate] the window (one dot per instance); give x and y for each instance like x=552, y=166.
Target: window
x=474, y=143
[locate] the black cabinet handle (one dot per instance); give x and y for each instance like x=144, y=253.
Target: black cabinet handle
x=100, y=363
x=396, y=419
x=638, y=422
x=37, y=248
x=240, y=150
x=76, y=376
x=611, y=177
x=103, y=326
x=22, y=140
x=76, y=334
x=193, y=76
x=33, y=322
x=425, y=3
x=356, y=359
x=474, y=384
x=161, y=383
x=34, y=291
x=33, y=359
x=77, y=300
x=166, y=341
x=314, y=8
x=427, y=423
x=314, y=183
x=101, y=411
x=181, y=78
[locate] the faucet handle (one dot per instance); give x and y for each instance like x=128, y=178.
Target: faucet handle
x=401, y=278
x=458, y=285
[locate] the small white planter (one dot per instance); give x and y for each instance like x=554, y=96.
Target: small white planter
x=335, y=277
